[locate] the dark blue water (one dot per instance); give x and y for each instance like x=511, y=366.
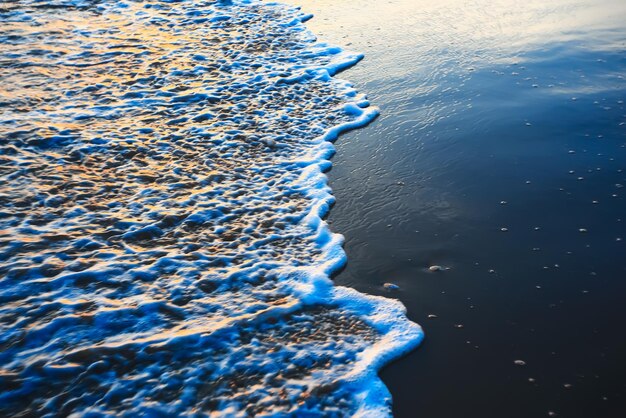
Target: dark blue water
x=500, y=155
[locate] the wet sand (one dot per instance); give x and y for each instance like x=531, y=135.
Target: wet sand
x=500, y=156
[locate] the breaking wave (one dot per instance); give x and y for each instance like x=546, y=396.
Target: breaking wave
x=162, y=244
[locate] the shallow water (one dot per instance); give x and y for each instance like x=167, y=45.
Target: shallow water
x=500, y=155
x=162, y=248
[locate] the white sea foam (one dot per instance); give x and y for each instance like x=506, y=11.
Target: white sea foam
x=163, y=249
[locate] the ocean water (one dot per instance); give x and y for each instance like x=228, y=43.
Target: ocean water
x=162, y=244
x=499, y=155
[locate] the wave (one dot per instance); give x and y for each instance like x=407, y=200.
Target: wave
x=162, y=244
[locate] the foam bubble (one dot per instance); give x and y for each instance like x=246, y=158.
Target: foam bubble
x=163, y=244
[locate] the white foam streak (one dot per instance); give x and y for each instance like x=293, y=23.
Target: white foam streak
x=165, y=208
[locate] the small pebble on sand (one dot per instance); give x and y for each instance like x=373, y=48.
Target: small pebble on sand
x=391, y=286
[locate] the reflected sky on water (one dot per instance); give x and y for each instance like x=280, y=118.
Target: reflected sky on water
x=500, y=156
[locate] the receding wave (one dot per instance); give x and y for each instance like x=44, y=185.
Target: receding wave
x=162, y=244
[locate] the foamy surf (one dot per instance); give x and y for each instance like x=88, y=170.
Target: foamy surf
x=163, y=245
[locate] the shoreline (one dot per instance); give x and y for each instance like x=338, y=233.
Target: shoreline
x=194, y=274
x=488, y=159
